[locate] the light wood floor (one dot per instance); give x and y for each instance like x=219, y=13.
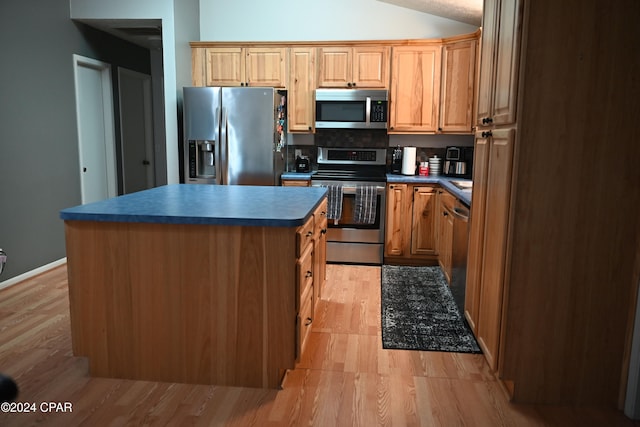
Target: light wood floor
x=345, y=378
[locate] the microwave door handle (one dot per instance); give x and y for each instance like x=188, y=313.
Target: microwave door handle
x=367, y=120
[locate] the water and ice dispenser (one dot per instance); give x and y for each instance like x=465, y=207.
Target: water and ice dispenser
x=201, y=161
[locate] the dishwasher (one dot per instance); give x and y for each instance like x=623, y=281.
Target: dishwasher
x=459, y=254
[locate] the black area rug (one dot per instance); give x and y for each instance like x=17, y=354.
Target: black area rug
x=419, y=313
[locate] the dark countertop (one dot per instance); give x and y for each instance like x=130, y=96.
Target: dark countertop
x=272, y=206
x=303, y=176
x=444, y=181
x=463, y=195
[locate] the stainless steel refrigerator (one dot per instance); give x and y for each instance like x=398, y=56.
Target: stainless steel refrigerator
x=234, y=135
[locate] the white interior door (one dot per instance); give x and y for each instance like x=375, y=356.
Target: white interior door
x=136, y=130
x=96, y=133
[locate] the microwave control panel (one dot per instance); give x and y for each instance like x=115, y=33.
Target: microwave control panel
x=378, y=111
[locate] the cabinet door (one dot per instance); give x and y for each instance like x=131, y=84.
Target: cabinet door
x=499, y=62
x=300, y=107
x=485, y=80
x=458, y=87
x=506, y=62
x=497, y=200
x=370, y=67
x=423, y=232
x=265, y=67
x=225, y=66
x=397, y=233
x=415, y=88
x=335, y=67
x=476, y=230
x=446, y=238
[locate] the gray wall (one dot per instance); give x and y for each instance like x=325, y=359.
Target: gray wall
x=38, y=139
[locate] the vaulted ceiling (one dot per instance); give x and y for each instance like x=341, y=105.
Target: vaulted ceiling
x=467, y=11
x=148, y=32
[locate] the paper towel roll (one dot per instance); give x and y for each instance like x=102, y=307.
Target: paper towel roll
x=409, y=161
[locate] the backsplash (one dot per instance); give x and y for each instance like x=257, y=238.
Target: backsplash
x=426, y=145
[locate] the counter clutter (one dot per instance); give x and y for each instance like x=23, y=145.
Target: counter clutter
x=195, y=284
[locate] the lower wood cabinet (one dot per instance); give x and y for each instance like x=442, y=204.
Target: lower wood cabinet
x=296, y=183
x=311, y=272
x=446, y=204
x=410, y=230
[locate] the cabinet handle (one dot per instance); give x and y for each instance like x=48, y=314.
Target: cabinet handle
x=309, y=274
x=308, y=321
x=445, y=214
x=309, y=233
x=487, y=120
x=309, y=127
x=323, y=231
x=487, y=134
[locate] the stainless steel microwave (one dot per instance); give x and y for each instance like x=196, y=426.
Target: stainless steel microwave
x=352, y=109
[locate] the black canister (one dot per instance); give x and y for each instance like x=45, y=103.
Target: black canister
x=396, y=162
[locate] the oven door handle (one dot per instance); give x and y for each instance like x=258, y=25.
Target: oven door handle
x=346, y=189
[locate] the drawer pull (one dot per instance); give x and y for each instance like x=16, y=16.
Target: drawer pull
x=309, y=274
x=308, y=321
x=309, y=233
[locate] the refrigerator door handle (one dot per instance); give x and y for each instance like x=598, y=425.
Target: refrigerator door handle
x=224, y=145
x=218, y=154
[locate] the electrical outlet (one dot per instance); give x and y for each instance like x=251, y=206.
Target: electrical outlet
x=298, y=153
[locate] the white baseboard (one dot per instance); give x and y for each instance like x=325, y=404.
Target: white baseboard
x=32, y=273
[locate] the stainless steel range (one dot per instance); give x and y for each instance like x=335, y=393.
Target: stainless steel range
x=356, y=179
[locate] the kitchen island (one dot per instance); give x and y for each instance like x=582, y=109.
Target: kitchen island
x=190, y=283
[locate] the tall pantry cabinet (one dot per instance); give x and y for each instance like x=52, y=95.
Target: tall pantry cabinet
x=554, y=236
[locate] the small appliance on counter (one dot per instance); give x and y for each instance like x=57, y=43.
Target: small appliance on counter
x=396, y=160
x=302, y=164
x=458, y=162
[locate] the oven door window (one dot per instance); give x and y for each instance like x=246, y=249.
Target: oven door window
x=347, y=219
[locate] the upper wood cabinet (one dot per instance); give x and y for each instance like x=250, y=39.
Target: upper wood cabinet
x=433, y=87
x=250, y=66
x=300, y=106
x=458, y=86
x=353, y=67
x=498, y=83
x=415, y=88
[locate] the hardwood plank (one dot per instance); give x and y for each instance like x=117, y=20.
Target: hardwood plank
x=344, y=379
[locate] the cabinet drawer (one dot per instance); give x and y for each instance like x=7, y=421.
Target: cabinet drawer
x=304, y=268
x=304, y=236
x=304, y=323
x=320, y=218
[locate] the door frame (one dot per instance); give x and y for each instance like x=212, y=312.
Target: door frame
x=108, y=120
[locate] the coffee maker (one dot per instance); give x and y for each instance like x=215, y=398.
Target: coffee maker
x=458, y=162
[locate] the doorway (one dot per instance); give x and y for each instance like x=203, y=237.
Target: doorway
x=96, y=129
x=136, y=130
